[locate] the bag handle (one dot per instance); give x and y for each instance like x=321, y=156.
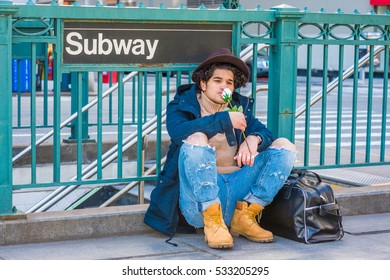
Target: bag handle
x=295, y=176
x=300, y=173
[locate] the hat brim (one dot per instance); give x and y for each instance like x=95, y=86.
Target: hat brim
x=237, y=62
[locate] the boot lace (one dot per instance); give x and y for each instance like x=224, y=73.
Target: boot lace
x=216, y=219
x=254, y=217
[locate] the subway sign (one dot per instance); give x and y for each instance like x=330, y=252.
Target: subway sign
x=146, y=44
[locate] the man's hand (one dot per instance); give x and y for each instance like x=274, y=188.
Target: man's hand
x=238, y=120
x=245, y=156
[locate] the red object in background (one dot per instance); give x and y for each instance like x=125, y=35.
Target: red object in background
x=106, y=77
x=379, y=2
x=50, y=66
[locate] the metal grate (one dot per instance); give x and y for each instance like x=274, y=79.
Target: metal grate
x=351, y=177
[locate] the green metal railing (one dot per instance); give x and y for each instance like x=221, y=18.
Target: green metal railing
x=351, y=95
x=134, y=108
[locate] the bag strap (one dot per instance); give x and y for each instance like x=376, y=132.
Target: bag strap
x=325, y=212
x=295, y=176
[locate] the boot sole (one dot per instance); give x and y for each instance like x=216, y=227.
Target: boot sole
x=219, y=245
x=258, y=240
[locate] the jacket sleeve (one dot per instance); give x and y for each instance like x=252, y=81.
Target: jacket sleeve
x=181, y=124
x=254, y=126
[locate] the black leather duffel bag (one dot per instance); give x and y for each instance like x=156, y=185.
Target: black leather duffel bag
x=304, y=210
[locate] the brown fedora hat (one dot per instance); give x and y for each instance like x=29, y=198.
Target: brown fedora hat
x=223, y=55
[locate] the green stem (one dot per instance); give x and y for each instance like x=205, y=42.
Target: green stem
x=243, y=134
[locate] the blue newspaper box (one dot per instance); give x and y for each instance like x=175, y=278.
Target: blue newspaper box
x=21, y=75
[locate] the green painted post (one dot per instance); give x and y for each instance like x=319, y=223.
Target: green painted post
x=74, y=105
x=6, y=12
x=283, y=72
x=231, y=4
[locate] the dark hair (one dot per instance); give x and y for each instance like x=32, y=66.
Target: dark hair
x=206, y=73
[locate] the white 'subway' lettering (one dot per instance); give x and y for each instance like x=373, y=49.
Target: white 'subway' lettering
x=105, y=46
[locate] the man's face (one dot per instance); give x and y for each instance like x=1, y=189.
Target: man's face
x=220, y=80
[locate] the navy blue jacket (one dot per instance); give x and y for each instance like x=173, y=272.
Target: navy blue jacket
x=184, y=119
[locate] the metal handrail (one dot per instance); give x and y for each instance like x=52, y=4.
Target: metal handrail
x=247, y=53
x=333, y=84
x=91, y=169
x=74, y=116
x=131, y=185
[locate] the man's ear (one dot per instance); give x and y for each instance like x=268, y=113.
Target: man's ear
x=203, y=85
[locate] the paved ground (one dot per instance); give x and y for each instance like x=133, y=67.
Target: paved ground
x=367, y=237
x=363, y=252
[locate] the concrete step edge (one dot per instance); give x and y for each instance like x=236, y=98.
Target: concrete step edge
x=75, y=224
x=128, y=220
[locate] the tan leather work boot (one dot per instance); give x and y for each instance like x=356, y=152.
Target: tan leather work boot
x=217, y=235
x=244, y=223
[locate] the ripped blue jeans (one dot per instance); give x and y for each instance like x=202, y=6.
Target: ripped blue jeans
x=201, y=185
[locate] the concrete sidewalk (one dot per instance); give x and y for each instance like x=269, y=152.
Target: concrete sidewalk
x=367, y=237
x=118, y=232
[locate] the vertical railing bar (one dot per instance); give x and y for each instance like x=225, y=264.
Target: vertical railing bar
x=168, y=88
x=56, y=108
x=190, y=76
x=158, y=109
x=99, y=116
x=178, y=79
x=33, y=113
x=110, y=102
x=120, y=125
x=140, y=142
x=44, y=84
x=254, y=76
x=141, y=185
x=145, y=90
x=79, y=125
x=354, y=104
x=133, y=99
x=308, y=108
x=6, y=123
x=384, y=104
x=339, y=104
x=369, y=104
x=324, y=104
x=19, y=94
